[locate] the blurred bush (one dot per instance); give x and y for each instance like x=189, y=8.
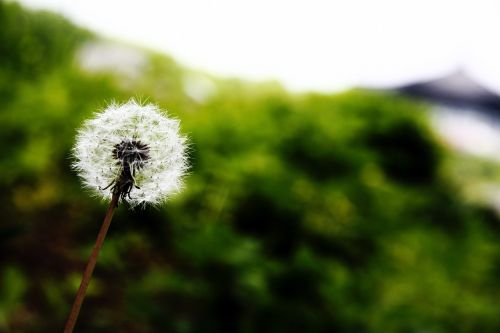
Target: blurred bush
x=302, y=213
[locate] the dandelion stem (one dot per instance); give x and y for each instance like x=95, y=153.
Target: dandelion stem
x=89, y=269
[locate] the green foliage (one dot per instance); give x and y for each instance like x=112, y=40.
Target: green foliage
x=32, y=43
x=302, y=213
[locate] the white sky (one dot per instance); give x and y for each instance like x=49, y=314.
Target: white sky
x=307, y=44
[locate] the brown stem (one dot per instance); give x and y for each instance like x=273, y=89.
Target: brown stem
x=87, y=274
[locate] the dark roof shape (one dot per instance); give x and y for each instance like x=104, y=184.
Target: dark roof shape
x=457, y=89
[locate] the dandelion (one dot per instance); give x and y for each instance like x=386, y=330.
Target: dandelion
x=128, y=153
x=132, y=149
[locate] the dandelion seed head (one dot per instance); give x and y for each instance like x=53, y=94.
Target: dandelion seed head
x=134, y=141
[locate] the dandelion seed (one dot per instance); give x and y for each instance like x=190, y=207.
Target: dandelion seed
x=132, y=149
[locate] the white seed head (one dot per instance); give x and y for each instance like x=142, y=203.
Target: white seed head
x=136, y=142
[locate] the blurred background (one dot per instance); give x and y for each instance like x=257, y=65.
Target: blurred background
x=344, y=169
